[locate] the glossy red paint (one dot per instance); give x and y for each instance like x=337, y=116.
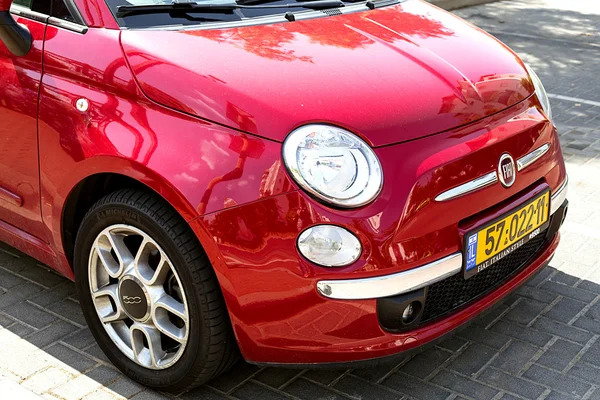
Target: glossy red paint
x=406, y=71
x=206, y=134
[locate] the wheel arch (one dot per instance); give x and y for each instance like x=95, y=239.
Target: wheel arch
x=89, y=189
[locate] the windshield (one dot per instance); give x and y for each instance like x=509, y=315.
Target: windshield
x=181, y=13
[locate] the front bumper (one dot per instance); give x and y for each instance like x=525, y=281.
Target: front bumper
x=414, y=279
x=278, y=314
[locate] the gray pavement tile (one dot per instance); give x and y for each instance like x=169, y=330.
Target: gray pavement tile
x=239, y=373
x=423, y=364
x=305, y=389
x=125, y=387
x=557, y=328
x=30, y=315
x=556, y=381
x=526, y=311
x=465, y=386
x=585, y=371
x=275, y=377
x=565, y=310
x=472, y=359
x=51, y=334
x=511, y=383
x=515, y=357
x=485, y=336
x=559, y=355
x=364, y=390
x=70, y=310
x=415, y=388
x=324, y=376
x=70, y=357
x=251, y=390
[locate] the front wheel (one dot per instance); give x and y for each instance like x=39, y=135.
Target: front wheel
x=149, y=294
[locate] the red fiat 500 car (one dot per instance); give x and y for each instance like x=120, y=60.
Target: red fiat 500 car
x=316, y=182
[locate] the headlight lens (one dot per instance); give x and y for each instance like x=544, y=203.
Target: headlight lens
x=333, y=164
x=540, y=91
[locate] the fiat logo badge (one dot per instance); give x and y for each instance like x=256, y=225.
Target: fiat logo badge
x=506, y=170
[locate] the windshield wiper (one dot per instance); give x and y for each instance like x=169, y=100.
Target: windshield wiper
x=185, y=7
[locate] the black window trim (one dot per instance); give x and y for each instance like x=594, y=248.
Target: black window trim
x=79, y=26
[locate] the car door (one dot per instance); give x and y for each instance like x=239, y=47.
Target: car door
x=20, y=79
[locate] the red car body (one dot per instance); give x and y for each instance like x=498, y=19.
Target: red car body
x=199, y=117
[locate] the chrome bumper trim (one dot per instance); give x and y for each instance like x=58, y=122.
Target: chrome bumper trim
x=559, y=196
x=532, y=157
x=391, y=285
x=475, y=184
x=407, y=281
x=492, y=177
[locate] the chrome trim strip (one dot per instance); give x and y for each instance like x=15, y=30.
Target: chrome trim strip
x=475, y=184
x=25, y=12
x=391, y=285
x=532, y=157
x=559, y=196
x=70, y=26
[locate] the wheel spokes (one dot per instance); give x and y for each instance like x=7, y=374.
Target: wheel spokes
x=107, y=304
x=146, y=344
x=175, y=328
x=151, y=265
x=110, y=246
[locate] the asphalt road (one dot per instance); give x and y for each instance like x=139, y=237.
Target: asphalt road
x=541, y=343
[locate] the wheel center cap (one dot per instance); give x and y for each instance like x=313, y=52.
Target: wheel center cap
x=134, y=299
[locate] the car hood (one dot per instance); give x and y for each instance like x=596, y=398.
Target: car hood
x=390, y=75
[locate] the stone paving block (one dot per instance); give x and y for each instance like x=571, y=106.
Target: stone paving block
x=586, y=371
x=42, y=275
x=568, y=291
x=415, y=388
x=125, y=387
x=275, y=377
x=239, y=373
x=251, y=390
x=149, y=395
x=51, y=334
x=526, y=311
x=569, y=332
x=426, y=362
x=76, y=388
x=510, y=383
x=101, y=394
x=78, y=362
x=70, y=310
x=9, y=280
x=47, y=379
x=515, y=357
x=80, y=339
x=472, y=359
x=556, y=381
x=53, y=295
x=565, y=310
x=203, y=393
x=591, y=325
x=465, y=386
x=104, y=375
x=374, y=374
x=323, y=376
x=95, y=351
x=305, y=389
x=453, y=344
x=20, y=330
x=30, y=315
x=537, y=294
x=559, y=355
x=359, y=388
x=18, y=294
x=561, y=278
x=529, y=335
x=484, y=336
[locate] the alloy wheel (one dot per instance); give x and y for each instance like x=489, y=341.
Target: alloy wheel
x=138, y=296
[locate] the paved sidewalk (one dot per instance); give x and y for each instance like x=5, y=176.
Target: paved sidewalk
x=541, y=343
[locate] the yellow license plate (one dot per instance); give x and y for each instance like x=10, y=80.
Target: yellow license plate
x=494, y=241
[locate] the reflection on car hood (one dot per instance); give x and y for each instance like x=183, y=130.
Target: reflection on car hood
x=390, y=75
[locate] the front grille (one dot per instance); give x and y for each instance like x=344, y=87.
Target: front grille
x=454, y=292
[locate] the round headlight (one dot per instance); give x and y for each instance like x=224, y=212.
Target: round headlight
x=333, y=164
x=540, y=91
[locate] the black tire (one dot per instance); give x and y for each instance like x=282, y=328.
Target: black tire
x=211, y=348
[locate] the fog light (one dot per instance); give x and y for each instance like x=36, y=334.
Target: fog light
x=408, y=313
x=329, y=246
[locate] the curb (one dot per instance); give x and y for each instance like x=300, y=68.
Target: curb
x=456, y=4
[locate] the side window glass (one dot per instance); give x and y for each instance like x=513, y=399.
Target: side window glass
x=23, y=3
x=60, y=10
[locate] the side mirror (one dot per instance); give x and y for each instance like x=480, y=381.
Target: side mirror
x=16, y=37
